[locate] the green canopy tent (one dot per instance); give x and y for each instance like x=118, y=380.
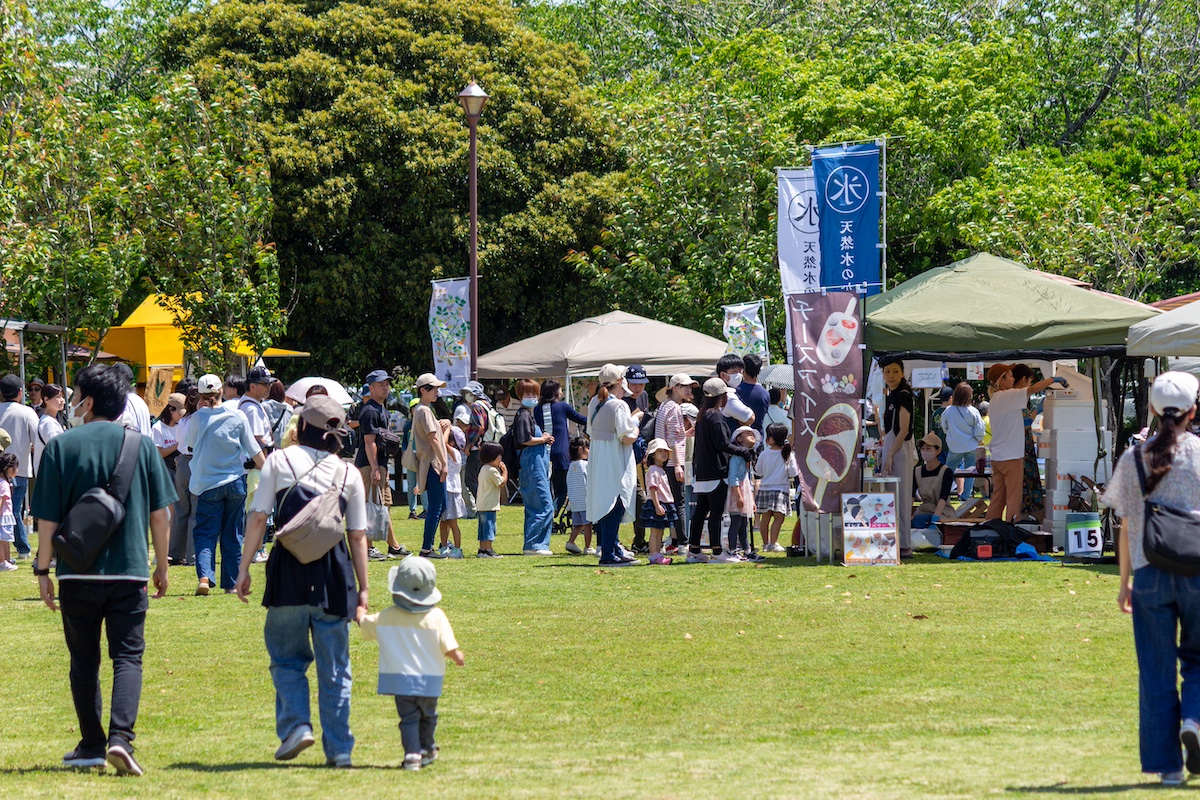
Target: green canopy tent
x=987, y=308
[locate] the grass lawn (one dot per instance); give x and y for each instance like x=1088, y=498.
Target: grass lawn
x=934, y=679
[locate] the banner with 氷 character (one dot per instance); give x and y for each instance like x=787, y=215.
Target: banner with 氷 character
x=450, y=330
x=827, y=364
x=869, y=529
x=846, y=179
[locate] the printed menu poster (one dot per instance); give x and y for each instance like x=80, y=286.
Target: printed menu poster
x=869, y=530
x=827, y=365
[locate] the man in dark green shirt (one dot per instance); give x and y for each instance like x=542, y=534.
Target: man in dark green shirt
x=112, y=591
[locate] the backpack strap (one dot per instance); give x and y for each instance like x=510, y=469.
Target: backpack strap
x=122, y=476
x=288, y=493
x=1141, y=469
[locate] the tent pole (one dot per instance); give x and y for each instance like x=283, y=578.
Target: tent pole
x=883, y=213
x=1097, y=406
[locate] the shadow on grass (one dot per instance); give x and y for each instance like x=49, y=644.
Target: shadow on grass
x=193, y=766
x=1063, y=788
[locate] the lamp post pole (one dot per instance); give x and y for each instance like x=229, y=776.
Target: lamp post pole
x=473, y=99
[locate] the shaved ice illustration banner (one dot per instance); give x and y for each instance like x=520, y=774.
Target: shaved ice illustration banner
x=745, y=330
x=827, y=363
x=450, y=330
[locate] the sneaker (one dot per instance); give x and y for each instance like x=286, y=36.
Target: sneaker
x=540, y=552
x=421, y=515
x=754, y=557
x=7, y=566
x=445, y=550
x=590, y=551
x=433, y=554
x=120, y=756
x=428, y=757
x=623, y=551
x=659, y=559
x=571, y=547
x=455, y=552
x=341, y=761
x=399, y=552
x=374, y=555
x=203, y=588
x=698, y=558
x=412, y=761
x=670, y=550
x=641, y=549
x=619, y=562
x=413, y=515
x=728, y=557
x=488, y=554
x=1172, y=778
x=299, y=740
x=1189, y=736
x=81, y=760
x=23, y=556
x=260, y=556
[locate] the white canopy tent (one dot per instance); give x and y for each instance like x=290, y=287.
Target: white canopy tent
x=613, y=338
x=1175, y=333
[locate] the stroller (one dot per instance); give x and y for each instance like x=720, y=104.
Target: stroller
x=562, y=521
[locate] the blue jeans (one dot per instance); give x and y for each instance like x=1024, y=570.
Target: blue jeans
x=963, y=461
x=287, y=633
x=435, y=503
x=20, y=486
x=487, y=526
x=1166, y=632
x=536, y=495
x=412, y=492
x=921, y=521
x=220, y=515
x=606, y=531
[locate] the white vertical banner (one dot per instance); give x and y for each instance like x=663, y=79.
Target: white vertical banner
x=745, y=329
x=799, y=237
x=450, y=330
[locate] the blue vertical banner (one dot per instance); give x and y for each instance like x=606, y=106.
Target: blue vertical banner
x=847, y=184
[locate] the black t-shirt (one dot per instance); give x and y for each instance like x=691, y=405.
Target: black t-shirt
x=947, y=478
x=371, y=420
x=896, y=400
x=522, y=428
x=640, y=403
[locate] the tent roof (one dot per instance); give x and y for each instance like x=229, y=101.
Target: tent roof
x=991, y=305
x=616, y=337
x=160, y=335
x=1175, y=333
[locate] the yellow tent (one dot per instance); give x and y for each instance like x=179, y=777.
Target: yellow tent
x=149, y=337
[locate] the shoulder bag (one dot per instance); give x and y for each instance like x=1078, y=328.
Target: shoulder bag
x=91, y=522
x=318, y=526
x=1171, y=536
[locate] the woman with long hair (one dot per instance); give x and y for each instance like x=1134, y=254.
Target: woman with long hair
x=899, y=452
x=964, y=431
x=1165, y=606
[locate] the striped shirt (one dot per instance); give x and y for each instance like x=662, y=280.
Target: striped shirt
x=668, y=426
x=577, y=486
x=412, y=650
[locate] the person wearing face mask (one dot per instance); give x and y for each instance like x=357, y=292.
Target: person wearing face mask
x=554, y=414
x=533, y=448
x=53, y=402
x=933, y=481
x=751, y=392
x=730, y=368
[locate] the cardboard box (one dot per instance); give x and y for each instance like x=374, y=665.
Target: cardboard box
x=1064, y=414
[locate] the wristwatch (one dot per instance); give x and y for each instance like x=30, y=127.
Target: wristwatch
x=41, y=572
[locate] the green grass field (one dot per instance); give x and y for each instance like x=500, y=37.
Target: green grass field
x=934, y=679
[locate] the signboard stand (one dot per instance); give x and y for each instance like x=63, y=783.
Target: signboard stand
x=869, y=529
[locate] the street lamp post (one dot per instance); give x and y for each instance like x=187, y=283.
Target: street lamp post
x=473, y=100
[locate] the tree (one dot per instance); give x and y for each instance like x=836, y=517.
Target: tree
x=367, y=152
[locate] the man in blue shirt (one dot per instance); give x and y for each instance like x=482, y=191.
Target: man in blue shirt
x=220, y=441
x=752, y=393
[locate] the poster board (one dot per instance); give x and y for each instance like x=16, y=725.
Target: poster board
x=159, y=383
x=869, y=530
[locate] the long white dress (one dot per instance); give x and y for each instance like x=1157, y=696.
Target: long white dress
x=612, y=472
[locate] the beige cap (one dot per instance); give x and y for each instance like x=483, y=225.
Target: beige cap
x=611, y=374
x=324, y=412
x=176, y=401
x=428, y=379
x=714, y=387
x=679, y=379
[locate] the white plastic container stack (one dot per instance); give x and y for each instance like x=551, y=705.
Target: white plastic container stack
x=1069, y=445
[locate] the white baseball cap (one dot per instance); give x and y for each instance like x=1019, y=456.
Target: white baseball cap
x=1174, y=393
x=209, y=384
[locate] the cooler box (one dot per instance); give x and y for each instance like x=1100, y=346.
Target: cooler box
x=1079, y=415
x=1060, y=445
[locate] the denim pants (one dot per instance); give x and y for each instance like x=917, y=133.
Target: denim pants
x=287, y=633
x=435, y=504
x=418, y=723
x=20, y=487
x=121, y=607
x=487, y=526
x=963, y=461
x=221, y=516
x=536, y=495
x=1166, y=633
x=413, y=497
x=922, y=521
x=606, y=531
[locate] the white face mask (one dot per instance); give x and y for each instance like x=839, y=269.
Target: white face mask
x=735, y=380
x=76, y=417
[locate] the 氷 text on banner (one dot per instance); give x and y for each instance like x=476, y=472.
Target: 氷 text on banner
x=847, y=186
x=798, y=232
x=827, y=365
x=745, y=330
x=450, y=330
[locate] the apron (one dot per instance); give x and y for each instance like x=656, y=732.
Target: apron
x=929, y=489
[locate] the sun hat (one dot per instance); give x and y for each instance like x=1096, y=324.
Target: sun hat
x=679, y=379
x=428, y=379
x=656, y=445
x=176, y=401
x=475, y=388
x=930, y=439
x=689, y=410
x=324, y=412
x=5, y=440
x=209, y=384
x=745, y=429
x=611, y=374
x=1173, y=393
x=714, y=387
x=636, y=374
x=460, y=438
x=413, y=583
x=997, y=370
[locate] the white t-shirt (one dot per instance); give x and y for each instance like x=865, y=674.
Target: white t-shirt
x=21, y=422
x=48, y=428
x=278, y=476
x=164, y=436
x=256, y=415
x=136, y=415
x=454, y=461
x=1008, y=424
x=776, y=473
x=181, y=433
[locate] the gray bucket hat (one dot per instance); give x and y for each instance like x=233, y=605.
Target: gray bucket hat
x=413, y=583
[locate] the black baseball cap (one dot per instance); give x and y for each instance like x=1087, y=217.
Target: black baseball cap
x=636, y=374
x=376, y=376
x=11, y=385
x=260, y=375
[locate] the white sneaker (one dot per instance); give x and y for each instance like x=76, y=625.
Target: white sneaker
x=571, y=547
x=728, y=557
x=300, y=739
x=412, y=761
x=8, y=566
x=260, y=556
x=455, y=552
x=591, y=551
x=1172, y=778
x=698, y=558
x=542, y=552
x=445, y=550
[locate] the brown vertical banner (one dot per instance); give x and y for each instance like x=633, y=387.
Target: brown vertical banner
x=158, y=387
x=827, y=360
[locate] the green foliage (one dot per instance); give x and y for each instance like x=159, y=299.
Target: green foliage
x=368, y=155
